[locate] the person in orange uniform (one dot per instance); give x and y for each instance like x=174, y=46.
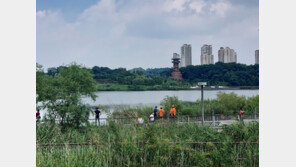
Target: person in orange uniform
x=241, y=113
x=161, y=112
x=173, y=112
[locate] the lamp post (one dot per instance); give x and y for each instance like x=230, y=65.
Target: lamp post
x=202, y=84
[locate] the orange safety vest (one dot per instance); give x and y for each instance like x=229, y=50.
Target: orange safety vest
x=241, y=112
x=161, y=111
x=173, y=111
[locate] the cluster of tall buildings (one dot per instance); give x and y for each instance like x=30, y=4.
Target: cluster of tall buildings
x=225, y=55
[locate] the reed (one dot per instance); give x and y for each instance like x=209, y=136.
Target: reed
x=149, y=145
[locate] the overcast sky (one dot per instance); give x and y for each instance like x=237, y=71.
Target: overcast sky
x=142, y=33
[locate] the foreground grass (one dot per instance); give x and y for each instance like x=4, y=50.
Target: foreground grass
x=150, y=145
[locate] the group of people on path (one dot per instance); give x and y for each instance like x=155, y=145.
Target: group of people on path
x=159, y=113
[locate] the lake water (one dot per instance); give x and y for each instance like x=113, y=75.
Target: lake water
x=154, y=97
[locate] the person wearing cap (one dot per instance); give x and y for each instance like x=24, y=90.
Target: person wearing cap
x=155, y=112
x=172, y=112
x=97, y=113
x=161, y=112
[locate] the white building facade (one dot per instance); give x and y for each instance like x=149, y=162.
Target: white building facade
x=227, y=55
x=186, y=56
x=256, y=56
x=206, y=56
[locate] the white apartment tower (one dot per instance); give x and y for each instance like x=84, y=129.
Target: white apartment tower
x=186, y=57
x=206, y=56
x=221, y=55
x=256, y=56
x=227, y=55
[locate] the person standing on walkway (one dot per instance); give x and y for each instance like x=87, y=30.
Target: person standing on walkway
x=161, y=112
x=97, y=113
x=172, y=112
x=151, y=117
x=155, y=112
x=241, y=113
x=38, y=117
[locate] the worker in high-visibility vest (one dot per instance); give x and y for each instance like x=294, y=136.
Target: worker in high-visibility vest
x=172, y=111
x=241, y=112
x=161, y=112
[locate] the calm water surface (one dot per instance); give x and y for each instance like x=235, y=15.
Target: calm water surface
x=154, y=97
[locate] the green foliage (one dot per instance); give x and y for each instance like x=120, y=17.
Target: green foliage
x=151, y=145
x=230, y=103
x=252, y=104
x=141, y=112
x=61, y=94
x=167, y=102
x=226, y=103
x=227, y=74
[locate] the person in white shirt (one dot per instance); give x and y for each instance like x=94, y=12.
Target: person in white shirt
x=151, y=117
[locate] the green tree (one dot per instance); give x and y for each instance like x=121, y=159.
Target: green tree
x=230, y=103
x=61, y=94
x=167, y=102
x=252, y=103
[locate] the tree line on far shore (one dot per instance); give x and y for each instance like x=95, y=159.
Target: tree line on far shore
x=221, y=74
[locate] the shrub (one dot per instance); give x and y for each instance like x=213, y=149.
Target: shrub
x=167, y=102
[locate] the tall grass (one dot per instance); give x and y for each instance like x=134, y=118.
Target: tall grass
x=149, y=145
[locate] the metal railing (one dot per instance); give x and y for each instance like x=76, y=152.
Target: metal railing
x=210, y=119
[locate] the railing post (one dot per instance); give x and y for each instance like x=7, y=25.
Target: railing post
x=213, y=117
x=202, y=105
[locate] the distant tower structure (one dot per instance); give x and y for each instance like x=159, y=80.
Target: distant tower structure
x=186, y=57
x=256, y=56
x=176, y=74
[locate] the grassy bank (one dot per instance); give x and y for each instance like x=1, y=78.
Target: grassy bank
x=151, y=145
x=224, y=104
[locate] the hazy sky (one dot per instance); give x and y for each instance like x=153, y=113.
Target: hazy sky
x=142, y=33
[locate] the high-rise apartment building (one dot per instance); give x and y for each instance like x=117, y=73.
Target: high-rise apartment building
x=206, y=56
x=186, y=57
x=221, y=55
x=256, y=56
x=227, y=55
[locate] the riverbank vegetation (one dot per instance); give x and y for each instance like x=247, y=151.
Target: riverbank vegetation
x=74, y=141
x=149, y=145
x=225, y=103
x=61, y=94
x=221, y=74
